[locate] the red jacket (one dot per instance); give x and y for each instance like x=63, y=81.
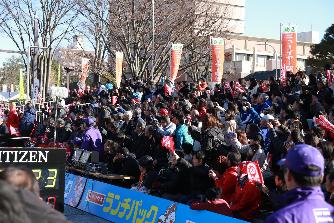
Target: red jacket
x=13, y=123
x=227, y=183
x=219, y=206
x=246, y=200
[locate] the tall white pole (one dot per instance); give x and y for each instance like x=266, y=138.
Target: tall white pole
x=153, y=38
x=276, y=65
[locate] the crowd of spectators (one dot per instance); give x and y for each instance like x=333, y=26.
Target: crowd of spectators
x=193, y=143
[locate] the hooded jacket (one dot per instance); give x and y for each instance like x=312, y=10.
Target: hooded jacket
x=305, y=204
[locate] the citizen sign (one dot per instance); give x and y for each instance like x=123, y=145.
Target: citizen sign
x=24, y=156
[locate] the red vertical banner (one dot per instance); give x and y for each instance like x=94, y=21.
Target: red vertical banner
x=119, y=68
x=84, y=73
x=283, y=77
x=176, y=54
x=217, y=48
x=289, y=49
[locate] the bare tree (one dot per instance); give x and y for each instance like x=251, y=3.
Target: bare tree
x=129, y=26
x=55, y=22
x=95, y=30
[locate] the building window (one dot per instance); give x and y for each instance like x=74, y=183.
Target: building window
x=240, y=57
x=261, y=61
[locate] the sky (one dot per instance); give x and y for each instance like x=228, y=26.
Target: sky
x=263, y=18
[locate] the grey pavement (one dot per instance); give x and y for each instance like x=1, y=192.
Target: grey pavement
x=77, y=216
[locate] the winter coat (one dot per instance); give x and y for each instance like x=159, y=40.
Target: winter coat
x=127, y=166
x=3, y=130
x=140, y=146
x=63, y=134
x=92, y=141
x=200, y=181
x=212, y=138
x=13, y=123
x=246, y=200
x=182, y=136
x=27, y=121
x=276, y=147
x=176, y=179
x=303, y=205
x=227, y=183
x=250, y=116
x=259, y=108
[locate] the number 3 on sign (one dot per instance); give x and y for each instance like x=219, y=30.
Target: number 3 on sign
x=51, y=180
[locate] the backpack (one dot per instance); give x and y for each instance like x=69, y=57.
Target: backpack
x=214, y=139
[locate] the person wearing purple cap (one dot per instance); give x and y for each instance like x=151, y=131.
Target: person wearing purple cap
x=304, y=201
x=92, y=138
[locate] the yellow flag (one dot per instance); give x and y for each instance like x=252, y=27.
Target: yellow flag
x=59, y=77
x=21, y=85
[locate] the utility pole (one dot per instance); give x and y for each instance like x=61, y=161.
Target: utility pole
x=35, y=51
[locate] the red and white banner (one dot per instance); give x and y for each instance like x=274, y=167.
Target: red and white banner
x=176, y=54
x=283, y=77
x=168, y=143
x=289, y=49
x=119, y=68
x=253, y=170
x=217, y=48
x=84, y=72
x=323, y=122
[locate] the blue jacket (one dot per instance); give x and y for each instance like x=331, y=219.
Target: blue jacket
x=28, y=120
x=303, y=205
x=250, y=116
x=259, y=108
x=182, y=136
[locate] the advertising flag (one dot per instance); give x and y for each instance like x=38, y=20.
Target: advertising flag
x=119, y=68
x=217, y=48
x=176, y=54
x=84, y=72
x=289, y=49
x=21, y=85
x=59, y=76
x=283, y=77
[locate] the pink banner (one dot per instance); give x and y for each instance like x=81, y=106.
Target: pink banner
x=289, y=49
x=176, y=55
x=119, y=68
x=217, y=47
x=84, y=72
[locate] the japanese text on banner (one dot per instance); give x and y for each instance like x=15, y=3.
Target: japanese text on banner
x=289, y=49
x=217, y=47
x=176, y=54
x=128, y=209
